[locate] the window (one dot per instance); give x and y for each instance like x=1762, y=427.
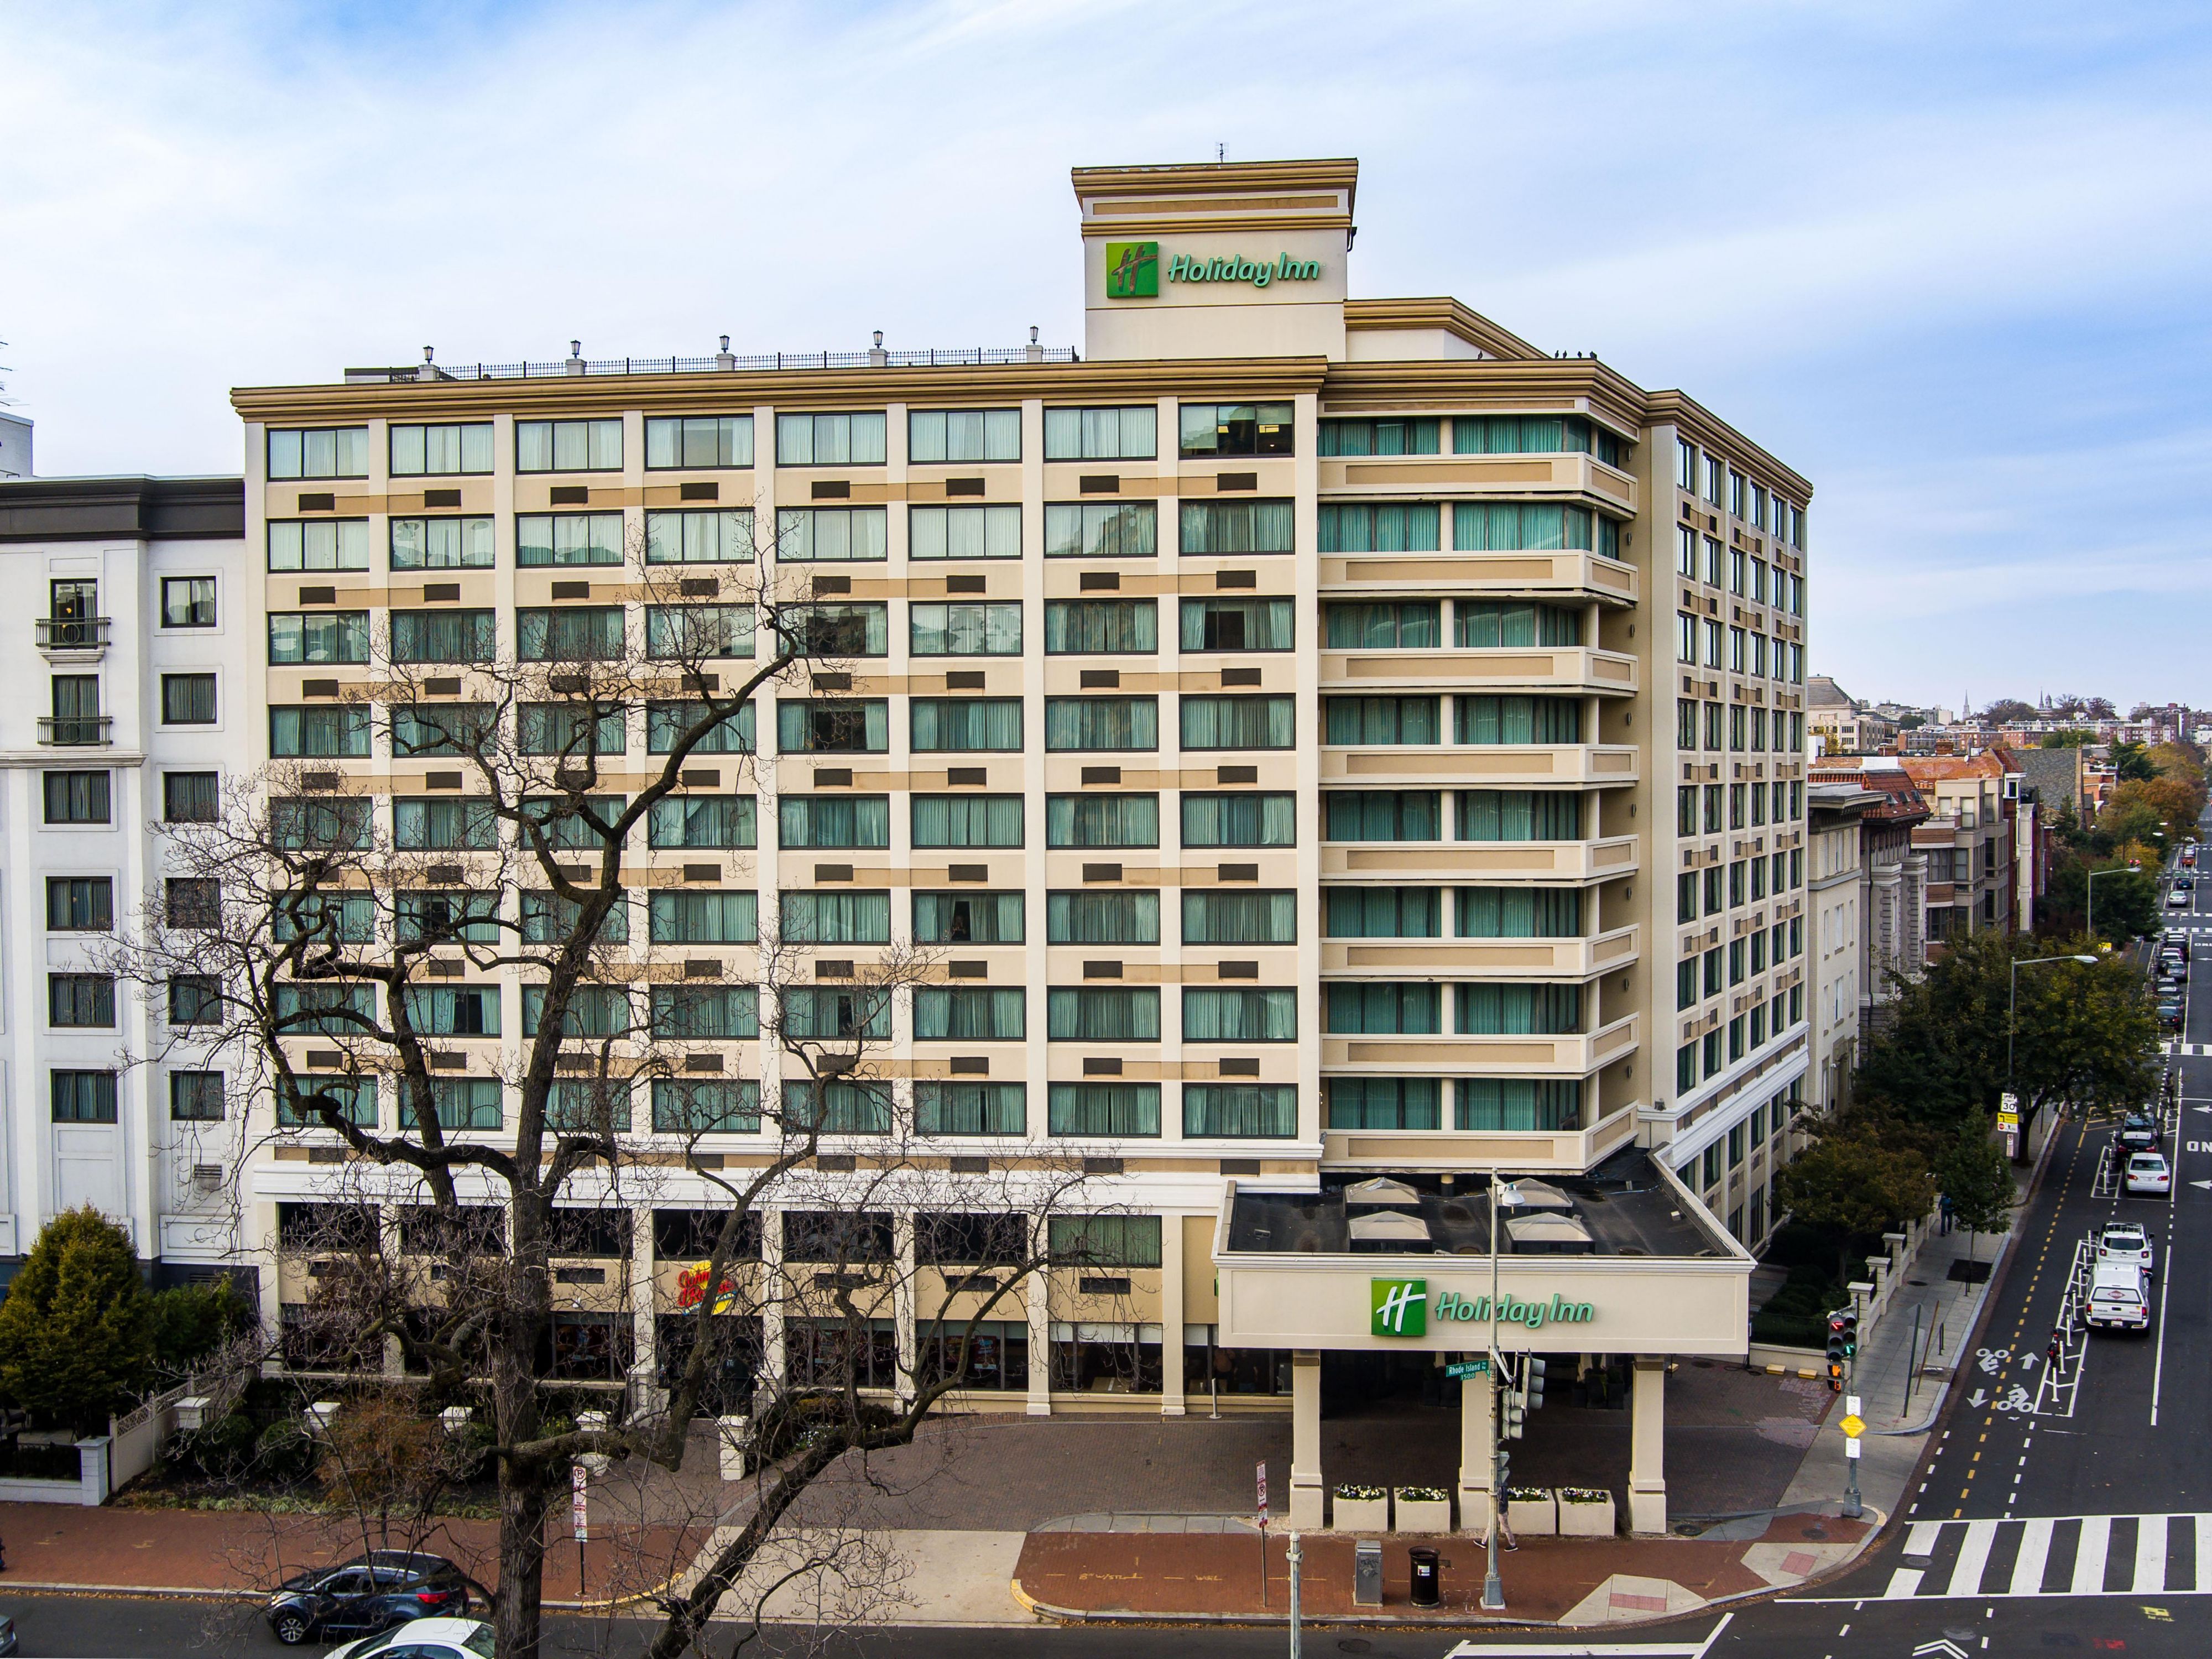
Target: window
x=76, y=717
x=1484, y=625
x=320, y=544
x=1102, y=1109
x=967, y=919
x=80, y=904
x=334, y=824
x=1382, y=815
x=971, y=1108
x=727, y=823
x=1380, y=527
x=87, y=1000
x=1114, y=1013
x=194, y=999
x=1520, y=913
x=833, y=725
x=1211, y=722
x=1685, y=897
x=834, y=821
x=1101, y=530
x=443, y=636
x=1519, y=814
x=1101, y=435
x=567, y=445
x=569, y=822
x=1251, y=820
x=1685, y=637
x=964, y=630
x=1537, y=434
x=467, y=1102
x=965, y=725
x=1237, y=625
x=1507, y=527
x=548, y=918
x=188, y=699
x=444, y=917
x=441, y=451
x=1225, y=917
x=1236, y=429
x=968, y=1014
x=313, y=638
x=1383, y=437
x=966, y=821
x=196, y=1097
x=1408, y=625
x=1229, y=528
x=1253, y=1111
x=1102, y=627
x=1686, y=464
x=938, y=435
x=1487, y=720
x=836, y=918
x=1355, y=1007
x=460, y=543
x=1494, y=1010
x=571, y=729
x=1686, y=1067
x=332, y=453
x=81, y=796
x=697, y=442
x=188, y=602
x=573, y=633
x=837, y=1011
x=720, y=729
x=83, y=1096
x=1102, y=723
x=963, y=532
x=1102, y=918
x=1482, y=1104
x=593, y=1011
x=193, y=902
x=685, y=633
x=709, y=537
x=454, y=1010
x=1384, y=1102
x=685, y=917
x=862, y=630
x=1382, y=913
x=1738, y=486
x=694, y=1012
x=1685, y=553
x=568, y=538
x=832, y=535
x=856, y=440
x=705, y=1107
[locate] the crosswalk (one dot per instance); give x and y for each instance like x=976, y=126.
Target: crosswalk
x=2070, y=1555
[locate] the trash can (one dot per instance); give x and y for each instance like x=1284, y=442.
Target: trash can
x=1367, y=1573
x=1428, y=1589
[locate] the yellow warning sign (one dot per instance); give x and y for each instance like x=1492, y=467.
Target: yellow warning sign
x=1854, y=1426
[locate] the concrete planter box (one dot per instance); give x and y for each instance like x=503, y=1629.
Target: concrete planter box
x=1532, y=1514
x=1421, y=1514
x=1585, y=1515
x=1359, y=1514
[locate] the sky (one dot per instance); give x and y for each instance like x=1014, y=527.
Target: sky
x=1946, y=260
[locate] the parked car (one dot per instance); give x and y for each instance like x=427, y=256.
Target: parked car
x=2126, y=1241
x=2185, y=883
x=377, y=1591
x=2139, y=1133
x=427, y=1638
x=7, y=1636
x=2120, y=1296
x=2148, y=1174
x=2169, y=1013
x=2178, y=899
x=2174, y=943
x=2175, y=968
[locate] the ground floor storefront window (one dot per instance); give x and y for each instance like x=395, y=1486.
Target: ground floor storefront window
x=727, y=1388
x=997, y=1354
x=815, y=1351
x=1208, y=1369
x=1106, y=1357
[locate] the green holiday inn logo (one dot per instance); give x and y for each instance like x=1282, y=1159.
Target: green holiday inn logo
x=1399, y=1307
x=1132, y=271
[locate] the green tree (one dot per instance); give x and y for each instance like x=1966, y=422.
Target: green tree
x=1975, y=1175
x=2130, y=761
x=2127, y=900
x=1851, y=1182
x=76, y=1337
x=188, y=1323
x=2073, y=737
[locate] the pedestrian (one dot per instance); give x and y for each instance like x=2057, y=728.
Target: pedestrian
x=1944, y=1211
x=2057, y=1352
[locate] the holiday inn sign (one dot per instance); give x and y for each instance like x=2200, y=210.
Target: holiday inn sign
x=1402, y=1307
x=1133, y=269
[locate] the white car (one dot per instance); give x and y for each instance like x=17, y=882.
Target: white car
x=2176, y=900
x=2126, y=1241
x=426, y=1638
x=2147, y=1173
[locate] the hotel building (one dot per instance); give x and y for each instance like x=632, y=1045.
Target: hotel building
x=1363, y=751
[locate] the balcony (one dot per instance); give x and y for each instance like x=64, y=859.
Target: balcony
x=1483, y=958
x=1570, y=668
x=1531, y=1151
x=1567, y=575
x=1501, y=860
x=1478, y=765
x=74, y=730
x=1506, y=476
x=1572, y=1054
x=72, y=638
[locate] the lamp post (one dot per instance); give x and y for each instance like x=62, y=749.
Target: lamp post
x=1493, y=1590
x=2135, y=867
x=2012, y=1002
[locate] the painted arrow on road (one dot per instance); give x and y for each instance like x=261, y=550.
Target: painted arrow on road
x=2206, y=1185
x=1976, y=1398
x=1949, y=1650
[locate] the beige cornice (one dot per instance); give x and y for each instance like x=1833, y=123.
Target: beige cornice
x=1440, y=311
x=1478, y=385
x=1212, y=178
x=1184, y=224
x=1679, y=408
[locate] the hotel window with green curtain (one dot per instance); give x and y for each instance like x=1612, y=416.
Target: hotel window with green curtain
x=1240, y=1111
x=1102, y=820
x=1686, y=895
x=1075, y=723
x=1685, y=1068
x=1382, y=437
x=964, y=725
x=711, y=536
x=1237, y=625
x=1479, y=625
x=570, y=729
x=1686, y=810
x=1380, y=527
x=854, y=440
x=1494, y=1010
x=837, y=1012
x=1358, y=1008
x=964, y=630
x=574, y=633
x=678, y=916
x=441, y=451
x=1535, y=526
x=966, y=821
x=717, y=1106
x=1382, y=815
x=1405, y=625
x=1347, y=720
x=1102, y=530
x=1102, y=918
x=1685, y=981
x=1269, y=820
x=1102, y=1108
x=697, y=442
x=568, y=538
x=578, y=1105
x=1488, y=720
x=1254, y=1014
x=1519, y=814
x=444, y=636
x=969, y=1013
x=676, y=633
x=836, y=918
x=354, y=1097
x=862, y=630
x=667, y=723
x=1264, y=722
x=1102, y=1013
x=1537, y=434
x=1102, y=435
x=934, y=436
x=1101, y=627
x=568, y=446
x=1225, y=529
x=298, y=823
x=323, y=544
x=965, y=532
x=454, y=1010
x=463, y=1102
x=317, y=637
x=443, y=544
x=969, y=919
x=833, y=821
x=971, y=1108
x=1223, y=916
x=1519, y=912
x=1236, y=429
x=593, y=1011
x=443, y=825
x=1384, y=1102
x=1382, y=913
x=548, y=918
x=331, y=453
x=81, y=1097
x=833, y=725
x=842, y=1109
x=1490, y=1103
x=337, y=732
x=832, y=535
x=723, y=823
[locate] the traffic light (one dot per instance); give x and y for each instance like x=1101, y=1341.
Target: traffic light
x=1835, y=1377
x=1531, y=1382
x=1513, y=1402
x=1851, y=1332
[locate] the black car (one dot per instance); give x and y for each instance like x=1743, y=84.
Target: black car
x=2139, y=1133
x=372, y=1593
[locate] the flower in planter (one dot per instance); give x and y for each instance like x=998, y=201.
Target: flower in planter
x=1584, y=1495
x=1422, y=1494
x=1362, y=1494
x=1528, y=1494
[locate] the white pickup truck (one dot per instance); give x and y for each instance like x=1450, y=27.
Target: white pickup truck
x=2120, y=1296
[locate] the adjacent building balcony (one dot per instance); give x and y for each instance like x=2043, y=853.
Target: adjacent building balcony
x=1525, y=1152
x=1479, y=765
x=74, y=730
x=1568, y=575
x=1489, y=860
x=1564, y=668
x=1483, y=958
x=75, y=638
x=1573, y=1054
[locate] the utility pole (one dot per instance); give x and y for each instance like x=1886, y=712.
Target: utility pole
x=1493, y=1589
x=1294, y=1558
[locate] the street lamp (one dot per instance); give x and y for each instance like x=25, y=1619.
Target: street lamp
x=1493, y=1591
x=2135, y=867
